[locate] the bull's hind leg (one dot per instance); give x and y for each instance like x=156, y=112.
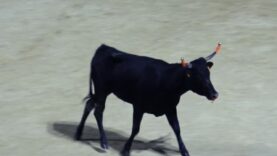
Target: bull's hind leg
x=89, y=106
x=98, y=113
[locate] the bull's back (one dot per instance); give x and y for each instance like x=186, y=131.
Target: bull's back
x=122, y=65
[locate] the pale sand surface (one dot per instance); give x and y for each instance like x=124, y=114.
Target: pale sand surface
x=45, y=51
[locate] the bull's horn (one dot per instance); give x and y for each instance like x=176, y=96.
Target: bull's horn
x=217, y=50
x=185, y=63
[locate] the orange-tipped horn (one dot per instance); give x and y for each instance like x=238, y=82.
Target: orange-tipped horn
x=185, y=63
x=217, y=50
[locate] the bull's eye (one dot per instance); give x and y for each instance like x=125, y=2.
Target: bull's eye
x=207, y=83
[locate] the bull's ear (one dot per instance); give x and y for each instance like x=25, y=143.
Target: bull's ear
x=210, y=64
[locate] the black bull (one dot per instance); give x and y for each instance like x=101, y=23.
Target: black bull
x=150, y=85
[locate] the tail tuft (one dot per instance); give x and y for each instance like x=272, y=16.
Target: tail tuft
x=87, y=98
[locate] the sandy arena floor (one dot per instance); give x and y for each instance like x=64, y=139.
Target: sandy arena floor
x=46, y=47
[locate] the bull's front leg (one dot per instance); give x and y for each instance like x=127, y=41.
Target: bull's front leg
x=174, y=123
x=137, y=117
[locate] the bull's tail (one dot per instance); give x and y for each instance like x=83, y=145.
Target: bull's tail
x=90, y=95
x=90, y=103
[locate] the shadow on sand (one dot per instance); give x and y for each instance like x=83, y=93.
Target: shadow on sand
x=116, y=138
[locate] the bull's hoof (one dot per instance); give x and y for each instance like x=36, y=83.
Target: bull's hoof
x=104, y=146
x=77, y=137
x=124, y=153
x=185, y=154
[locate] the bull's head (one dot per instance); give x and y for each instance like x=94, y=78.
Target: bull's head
x=199, y=75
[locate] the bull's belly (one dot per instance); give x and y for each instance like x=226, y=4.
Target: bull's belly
x=153, y=104
x=127, y=97
x=155, y=108
x=157, y=112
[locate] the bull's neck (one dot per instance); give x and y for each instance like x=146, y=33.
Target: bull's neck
x=181, y=79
